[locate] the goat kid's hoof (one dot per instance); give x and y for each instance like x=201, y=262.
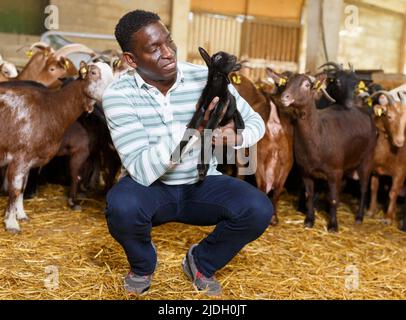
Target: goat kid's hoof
x=309, y=223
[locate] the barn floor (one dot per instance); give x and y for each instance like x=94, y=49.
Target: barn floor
x=70, y=255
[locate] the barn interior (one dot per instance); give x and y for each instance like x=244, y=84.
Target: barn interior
x=288, y=261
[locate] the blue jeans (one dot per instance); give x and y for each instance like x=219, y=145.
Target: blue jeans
x=240, y=212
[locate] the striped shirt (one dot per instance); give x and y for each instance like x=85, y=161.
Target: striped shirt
x=146, y=126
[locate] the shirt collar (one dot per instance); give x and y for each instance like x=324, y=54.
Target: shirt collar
x=180, y=78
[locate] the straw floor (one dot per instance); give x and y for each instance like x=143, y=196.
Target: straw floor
x=70, y=255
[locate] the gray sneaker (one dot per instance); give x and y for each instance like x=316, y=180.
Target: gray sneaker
x=138, y=284
x=210, y=285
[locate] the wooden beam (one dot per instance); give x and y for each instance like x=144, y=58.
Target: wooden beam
x=402, y=51
x=180, y=26
x=313, y=34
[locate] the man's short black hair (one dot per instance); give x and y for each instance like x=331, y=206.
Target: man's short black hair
x=130, y=23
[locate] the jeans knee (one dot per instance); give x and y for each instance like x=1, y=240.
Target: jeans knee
x=260, y=211
x=124, y=212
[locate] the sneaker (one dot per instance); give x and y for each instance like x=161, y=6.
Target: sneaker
x=137, y=284
x=210, y=285
x=134, y=283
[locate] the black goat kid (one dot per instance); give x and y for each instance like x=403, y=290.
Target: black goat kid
x=220, y=65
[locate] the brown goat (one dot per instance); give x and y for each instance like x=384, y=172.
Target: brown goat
x=329, y=143
x=47, y=66
x=34, y=120
x=390, y=151
x=275, y=149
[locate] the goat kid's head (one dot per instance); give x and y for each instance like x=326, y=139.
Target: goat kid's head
x=302, y=90
x=221, y=62
x=393, y=115
x=98, y=76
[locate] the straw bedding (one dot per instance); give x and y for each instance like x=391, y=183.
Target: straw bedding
x=286, y=262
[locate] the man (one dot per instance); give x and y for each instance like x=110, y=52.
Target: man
x=147, y=112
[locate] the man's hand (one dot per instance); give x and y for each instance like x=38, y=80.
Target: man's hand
x=226, y=135
x=209, y=109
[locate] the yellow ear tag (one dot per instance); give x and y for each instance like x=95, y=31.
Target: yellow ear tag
x=361, y=85
x=83, y=72
x=378, y=112
x=236, y=79
x=369, y=101
x=66, y=64
x=29, y=53
x=318, y=85
x=282, y=82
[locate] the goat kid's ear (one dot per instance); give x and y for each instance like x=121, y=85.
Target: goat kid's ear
x=206, y=57
x=83, y=70
x=279, y=80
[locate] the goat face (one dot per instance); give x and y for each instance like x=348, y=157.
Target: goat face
x=301, y=90
x=342, y=86
x=99, y=75
x=8, y=70
x=221, y=62
x=393, y=116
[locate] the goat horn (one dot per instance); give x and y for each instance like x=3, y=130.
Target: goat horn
x=386, y=94
x=351, y=67
x=327, y=95
x=41, y=45
x=334, y=64
x=402, y=96
x=74, y=47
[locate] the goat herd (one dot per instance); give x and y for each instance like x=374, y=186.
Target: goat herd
x=332, y=125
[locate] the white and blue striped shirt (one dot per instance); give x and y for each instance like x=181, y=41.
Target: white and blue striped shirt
x=146, y=126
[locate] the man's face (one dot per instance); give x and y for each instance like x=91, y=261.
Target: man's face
x=153, y=53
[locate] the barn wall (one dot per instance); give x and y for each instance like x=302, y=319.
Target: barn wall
x=376, y=43
x=101, y=16
x=92, y=16
x=277, y=9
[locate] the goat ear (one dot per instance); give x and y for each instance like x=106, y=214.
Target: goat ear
x=205, y=56
x=64, y=63
x=276, y=77
x=83, y=70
